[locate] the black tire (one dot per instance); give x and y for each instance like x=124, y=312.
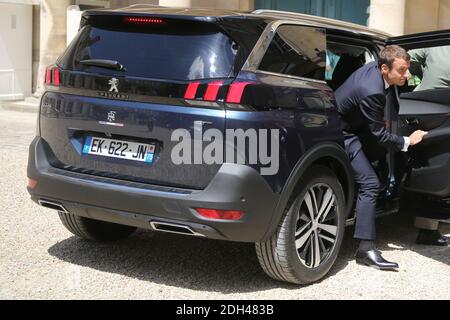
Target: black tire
x=94, y=230
x=279, y=256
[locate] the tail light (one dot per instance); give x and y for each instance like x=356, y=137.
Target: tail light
x=31, y=183
x=56, y=79
x=212, y=91
x=220, y=214
x=48, y=76
x=234, y=94
x=191, y=90
x=52, y=76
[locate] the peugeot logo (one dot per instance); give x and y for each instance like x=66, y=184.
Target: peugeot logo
x=114, y=82
x=113, y=92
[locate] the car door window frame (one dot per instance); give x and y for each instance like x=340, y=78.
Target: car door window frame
x=421, y=40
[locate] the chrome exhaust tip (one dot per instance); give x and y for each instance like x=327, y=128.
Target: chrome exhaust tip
x=174, y=228
x=52, y=205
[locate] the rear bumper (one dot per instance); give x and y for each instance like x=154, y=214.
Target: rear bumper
x=234, y=187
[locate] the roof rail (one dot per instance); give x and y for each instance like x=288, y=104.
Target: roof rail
x=145, y=5
x=263, y=11
x=303, y=16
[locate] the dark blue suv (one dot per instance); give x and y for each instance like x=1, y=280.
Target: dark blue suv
x=205, y=123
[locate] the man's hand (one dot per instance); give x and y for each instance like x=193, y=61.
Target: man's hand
x=417, y=137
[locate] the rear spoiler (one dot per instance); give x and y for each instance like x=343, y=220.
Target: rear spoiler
x=87, y=15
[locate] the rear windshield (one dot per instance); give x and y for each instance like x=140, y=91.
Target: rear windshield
x=170, y=49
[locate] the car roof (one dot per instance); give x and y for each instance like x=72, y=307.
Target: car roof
x=263, y=14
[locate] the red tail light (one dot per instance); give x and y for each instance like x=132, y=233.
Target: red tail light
x=31, y=183
x=56, y=79
x=48, y=76
x=142, y=20
x=235, y=92
x=52, y=76
x=212, y=91
x=191, y=90
x=220, y=214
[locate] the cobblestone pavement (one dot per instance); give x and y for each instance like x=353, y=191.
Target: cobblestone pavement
x=39, y=259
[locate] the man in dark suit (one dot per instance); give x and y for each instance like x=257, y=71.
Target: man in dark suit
x=361, y=101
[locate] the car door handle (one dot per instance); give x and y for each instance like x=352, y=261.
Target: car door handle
x=412, y=121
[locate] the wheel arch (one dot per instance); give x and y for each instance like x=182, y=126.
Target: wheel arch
x=331, y=155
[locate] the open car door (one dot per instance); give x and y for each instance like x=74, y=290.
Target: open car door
x=427, y=110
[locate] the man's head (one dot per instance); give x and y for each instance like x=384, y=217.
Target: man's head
x=394, y=64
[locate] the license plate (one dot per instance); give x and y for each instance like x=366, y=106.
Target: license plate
x=119, y=149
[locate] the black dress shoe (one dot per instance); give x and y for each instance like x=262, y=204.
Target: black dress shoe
x=432, y=238
x=373, y=258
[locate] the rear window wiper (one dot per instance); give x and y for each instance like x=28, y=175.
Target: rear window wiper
x=110, y=64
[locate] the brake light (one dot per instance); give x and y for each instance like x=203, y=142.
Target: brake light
x=191, y=90
x=56, y=79
x=212, y=91
x=53, y=76
x=48, y=76
x=220, y=214
x=235, y=92
x=142, y=20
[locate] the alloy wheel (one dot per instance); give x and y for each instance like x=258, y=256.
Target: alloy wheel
x=316, y=225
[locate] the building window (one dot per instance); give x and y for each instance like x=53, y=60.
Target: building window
x=346, y=10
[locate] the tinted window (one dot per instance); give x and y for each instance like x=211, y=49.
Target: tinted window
x=296, y=51
x=175, y=51
x=430, y=68
x=342, y=60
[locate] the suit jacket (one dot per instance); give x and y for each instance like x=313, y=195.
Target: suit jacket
x=361, y=101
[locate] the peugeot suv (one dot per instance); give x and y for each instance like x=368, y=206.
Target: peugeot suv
x=221, y=125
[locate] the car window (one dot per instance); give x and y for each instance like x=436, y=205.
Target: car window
x=343, y=60
x=173, y=51
x=296, y=51
x=429, y=69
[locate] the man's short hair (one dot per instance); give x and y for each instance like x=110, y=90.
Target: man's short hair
x=390, y=53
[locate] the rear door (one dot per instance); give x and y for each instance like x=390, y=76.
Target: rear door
x=425, y=104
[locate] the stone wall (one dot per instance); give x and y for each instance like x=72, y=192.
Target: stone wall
x=36, y=45
x=399, y=17
x=243, y=5
x=388, y=16
x=53, y=25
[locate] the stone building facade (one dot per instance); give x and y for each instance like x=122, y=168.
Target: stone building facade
x=49, y=19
